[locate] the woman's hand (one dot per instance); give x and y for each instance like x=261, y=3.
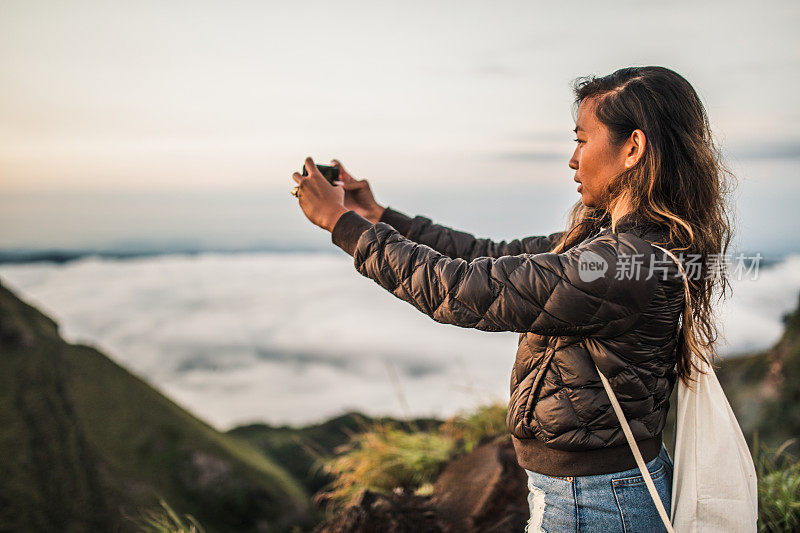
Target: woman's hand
x=358, y=196
x=321, y=202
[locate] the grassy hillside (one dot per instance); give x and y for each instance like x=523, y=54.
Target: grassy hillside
x=84, y=444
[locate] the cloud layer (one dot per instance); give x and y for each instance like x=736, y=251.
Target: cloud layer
x=296, y=338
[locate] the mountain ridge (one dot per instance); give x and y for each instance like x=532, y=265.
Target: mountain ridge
x=88, y=444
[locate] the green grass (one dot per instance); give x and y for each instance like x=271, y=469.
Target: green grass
x=165, y=520
x=778, y=488
x=473, y=428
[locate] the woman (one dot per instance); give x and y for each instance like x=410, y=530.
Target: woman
x=598, y=293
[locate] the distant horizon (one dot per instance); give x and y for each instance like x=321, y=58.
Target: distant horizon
x=124, y=251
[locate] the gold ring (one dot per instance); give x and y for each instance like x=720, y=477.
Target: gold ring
x=295, y=192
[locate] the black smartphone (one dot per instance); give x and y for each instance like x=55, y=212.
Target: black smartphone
x=331, y=173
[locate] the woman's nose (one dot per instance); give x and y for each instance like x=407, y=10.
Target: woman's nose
x=573, y=162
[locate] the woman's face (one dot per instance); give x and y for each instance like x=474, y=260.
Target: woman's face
x=595, y=161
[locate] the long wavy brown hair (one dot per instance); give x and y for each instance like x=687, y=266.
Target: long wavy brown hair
x=681, y=182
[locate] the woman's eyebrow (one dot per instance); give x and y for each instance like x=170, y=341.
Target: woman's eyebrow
x=578, y=128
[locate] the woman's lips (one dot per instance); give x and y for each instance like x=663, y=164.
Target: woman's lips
x=580, y=186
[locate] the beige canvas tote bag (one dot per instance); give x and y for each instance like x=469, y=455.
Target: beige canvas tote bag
x=714, y=483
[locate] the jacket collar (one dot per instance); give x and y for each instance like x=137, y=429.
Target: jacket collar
x=647, y=230
x=630, y=223
x=624, y=223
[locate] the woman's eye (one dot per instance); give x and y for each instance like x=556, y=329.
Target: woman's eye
x=578, y=141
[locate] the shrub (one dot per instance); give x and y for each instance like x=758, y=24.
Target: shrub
x=389, y=455
x=471, y=429
x=385, y=457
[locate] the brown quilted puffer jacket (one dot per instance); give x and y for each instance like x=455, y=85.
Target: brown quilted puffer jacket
x=570, y=315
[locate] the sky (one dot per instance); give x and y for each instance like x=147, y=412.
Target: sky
x=160, y=123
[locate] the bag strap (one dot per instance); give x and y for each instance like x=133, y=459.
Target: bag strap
x=627, y=430
x=683, y=272
x=636, y=453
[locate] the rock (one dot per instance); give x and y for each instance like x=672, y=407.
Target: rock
x=392, y=513
x=484, y=491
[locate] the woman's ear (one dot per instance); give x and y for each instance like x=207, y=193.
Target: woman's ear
x=634, y=148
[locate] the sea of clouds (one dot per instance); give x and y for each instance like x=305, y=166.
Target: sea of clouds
x=299, y=337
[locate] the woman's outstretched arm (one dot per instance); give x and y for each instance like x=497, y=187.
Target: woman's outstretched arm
x=545, y=293
x=460, y=244
x=452, y=243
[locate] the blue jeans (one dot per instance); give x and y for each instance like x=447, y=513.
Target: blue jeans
x=607, y=503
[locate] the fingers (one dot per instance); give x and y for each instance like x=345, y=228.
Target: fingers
x=344, y=176
x=297, y=177
x=311, y=167
x=354, y=185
